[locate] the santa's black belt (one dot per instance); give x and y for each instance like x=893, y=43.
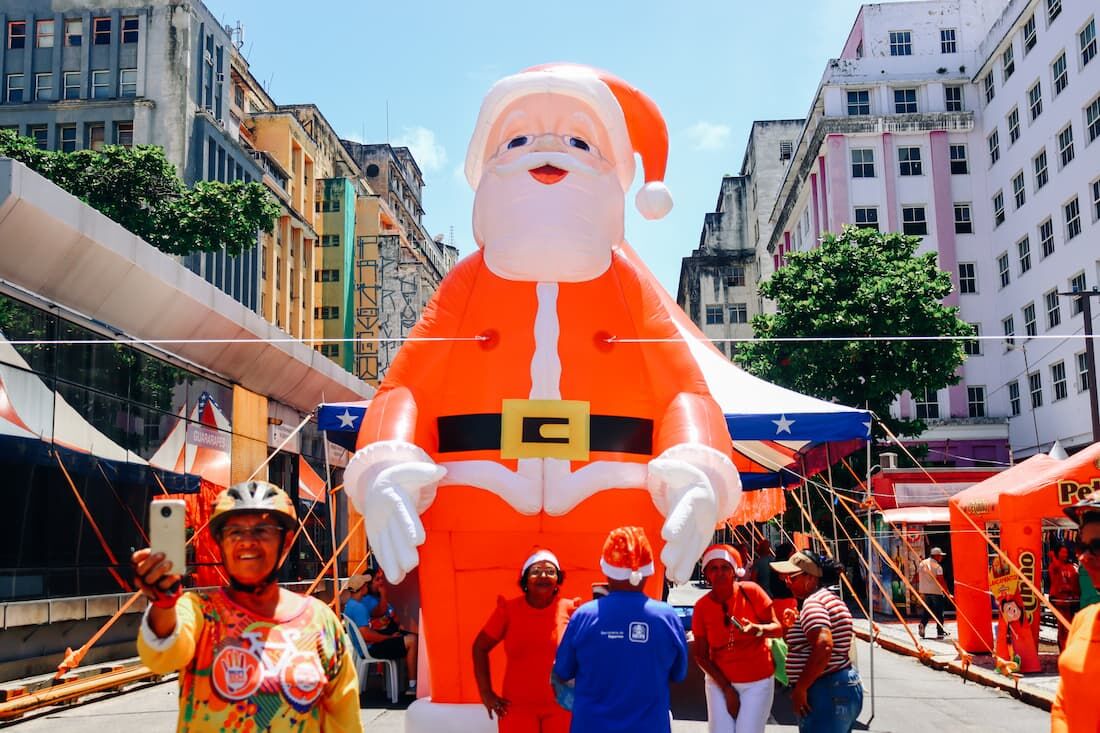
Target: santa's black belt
x=534, y=433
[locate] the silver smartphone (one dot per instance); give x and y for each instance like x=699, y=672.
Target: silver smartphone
x=168, y=532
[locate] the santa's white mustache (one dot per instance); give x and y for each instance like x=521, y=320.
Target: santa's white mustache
x=533, y=160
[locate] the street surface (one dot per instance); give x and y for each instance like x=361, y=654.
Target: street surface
x=910, y=698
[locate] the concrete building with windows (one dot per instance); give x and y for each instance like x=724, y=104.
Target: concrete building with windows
x=917, y=127
x=718, y=286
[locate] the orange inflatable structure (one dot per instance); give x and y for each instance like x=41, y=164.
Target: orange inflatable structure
x=1018, y=500
x=543, y=430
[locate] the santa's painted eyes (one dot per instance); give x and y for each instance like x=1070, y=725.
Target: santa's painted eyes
x=519, y=141
x=576, y=142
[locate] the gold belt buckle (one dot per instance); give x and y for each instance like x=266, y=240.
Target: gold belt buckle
x=544, y=429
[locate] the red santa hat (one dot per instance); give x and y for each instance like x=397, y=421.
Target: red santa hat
x=724, y=553
x=540, y=555
x=627, y=555
x=631, y=119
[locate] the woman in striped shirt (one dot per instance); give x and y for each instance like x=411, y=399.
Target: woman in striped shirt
x=826, y=692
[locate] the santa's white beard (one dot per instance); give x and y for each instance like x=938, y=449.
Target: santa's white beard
x=563, y=232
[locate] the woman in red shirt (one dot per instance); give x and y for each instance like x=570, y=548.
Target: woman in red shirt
x=731, y=626
x=530, y=626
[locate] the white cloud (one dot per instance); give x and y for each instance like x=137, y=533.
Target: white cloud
x=429, y=154
x=708, y=136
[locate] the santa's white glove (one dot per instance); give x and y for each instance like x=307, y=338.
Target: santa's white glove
x=390, y=484
x=694, y=487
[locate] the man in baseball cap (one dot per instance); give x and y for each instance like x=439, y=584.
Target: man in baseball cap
x=933, y=588
x=625, y=648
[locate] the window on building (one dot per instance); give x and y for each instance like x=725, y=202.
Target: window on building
x=948, y=43
x=332, y=351
x=1059, y=73
x=968, y=278
x=1023, y=247
x=927, y=404
x=1092, y=120
x=326, y=276
x=1096, y=200
x=1018, y=192
x=72, y=85
x=1087, y=39
x=1035, y=101
x=330, y=240
x=41, y=136
x=973, y=347
x=1054, y=9
x=1039, y=162
x=913, y=220
x=101, y=84
x=66, y=134
x=866, y=217
x=44, y=33
x=959, y=163
x=964, y=223
x=1029, y=34
x=1072, y=211
x=994, y=141
x=97, y=133
x=905, y=101
x=909, y=163
x=1009, y=326
x=1082, y=371
x=17, y=34
x=863, y=163
x=739, y=313
x=953, y=98
x=101, y=31
x=1031, y=324
x=74, y=31
x=1076, y=285
x=1008, y=63
x=1054, y=308
x=1065, y=144
x=1046, y=237
x=43, y=87
x=786, y=149
x=714, y=315
x=987, y=85
x=1035, y=386
x=736, y=277
x=901, y=43
x=127, y=82
x=1058, y=380
x=130, y=29
x=1004, y=269
x=1014, y=397
x=329, y=205
x=859, y=102
x=327, y=313
x=124, y=133
x=998, y=209
x=975, y=401
x=13, y=87
x=1013, y=120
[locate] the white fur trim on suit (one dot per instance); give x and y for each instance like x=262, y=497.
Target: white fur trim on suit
x=719, y=469
x=372, y=459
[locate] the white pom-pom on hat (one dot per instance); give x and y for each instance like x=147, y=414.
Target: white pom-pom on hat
x=653, y=200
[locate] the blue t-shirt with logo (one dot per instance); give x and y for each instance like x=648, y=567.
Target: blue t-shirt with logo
x=623, y=650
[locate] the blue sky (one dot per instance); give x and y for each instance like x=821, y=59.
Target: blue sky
x=713, y=66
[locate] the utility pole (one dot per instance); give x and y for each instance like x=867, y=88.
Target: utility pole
x=1085, y=296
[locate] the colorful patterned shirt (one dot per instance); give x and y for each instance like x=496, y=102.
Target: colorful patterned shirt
x=242, y=672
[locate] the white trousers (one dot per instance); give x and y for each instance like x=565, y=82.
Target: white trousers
x=756, y=706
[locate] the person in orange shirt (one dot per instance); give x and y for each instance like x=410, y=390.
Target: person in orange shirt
x=530, y=626
x=1075, y=709
x=731, y=624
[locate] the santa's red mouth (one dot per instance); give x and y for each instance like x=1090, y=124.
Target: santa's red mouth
x=548, y=174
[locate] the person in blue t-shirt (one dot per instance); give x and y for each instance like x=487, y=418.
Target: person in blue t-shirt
x=370, y=610
x=623, y=650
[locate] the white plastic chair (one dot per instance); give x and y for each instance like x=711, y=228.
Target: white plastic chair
x=364, y=660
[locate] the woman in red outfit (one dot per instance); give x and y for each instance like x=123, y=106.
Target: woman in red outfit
x=530, y=626
x=731, y=625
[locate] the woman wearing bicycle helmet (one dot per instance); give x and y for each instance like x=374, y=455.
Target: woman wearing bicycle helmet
x=251, y=653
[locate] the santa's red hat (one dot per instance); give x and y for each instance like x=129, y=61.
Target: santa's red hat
x=724, y=553
x=627, y=555
x=631, y=119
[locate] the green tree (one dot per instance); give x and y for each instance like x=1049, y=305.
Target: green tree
x=141, y=190
x=860, y=283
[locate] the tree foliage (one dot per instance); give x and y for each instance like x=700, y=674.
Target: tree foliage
x=141, y=190
x=860, y=283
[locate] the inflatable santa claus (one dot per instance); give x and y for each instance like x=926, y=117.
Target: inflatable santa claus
x=537, y=424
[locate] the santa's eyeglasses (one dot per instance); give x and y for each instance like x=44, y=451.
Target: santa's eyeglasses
x=526, y=140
